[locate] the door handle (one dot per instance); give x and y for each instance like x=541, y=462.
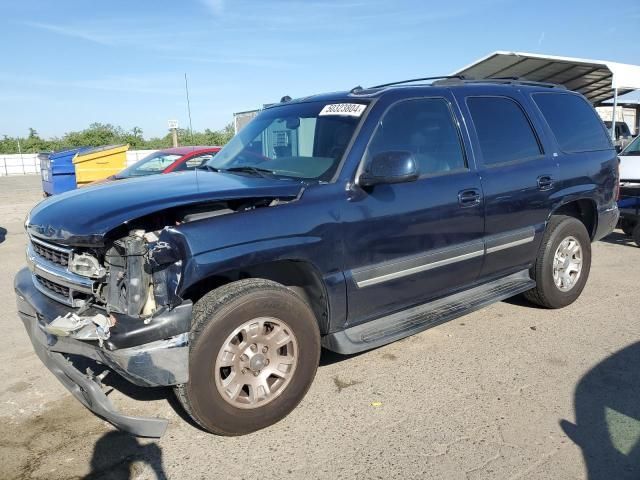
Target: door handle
x=469, y=198
x=545, y=182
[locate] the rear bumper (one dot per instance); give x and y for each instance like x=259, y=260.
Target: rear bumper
x=157, y=363
x=607, y=221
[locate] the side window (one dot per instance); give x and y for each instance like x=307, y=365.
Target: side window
x=573, y=121
x=504, y=132
x=425, y=128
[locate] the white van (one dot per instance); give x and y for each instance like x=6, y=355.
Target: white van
x=630, y=162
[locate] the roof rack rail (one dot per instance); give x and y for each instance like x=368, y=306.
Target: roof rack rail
x=501, y=80
x=439, y=77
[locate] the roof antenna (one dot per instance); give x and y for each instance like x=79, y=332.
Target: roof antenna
x=357, y=89
x=285, y=99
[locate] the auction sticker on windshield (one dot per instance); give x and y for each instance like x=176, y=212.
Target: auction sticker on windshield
x=348, y=109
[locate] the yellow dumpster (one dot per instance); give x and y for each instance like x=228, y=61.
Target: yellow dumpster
x=98, y=163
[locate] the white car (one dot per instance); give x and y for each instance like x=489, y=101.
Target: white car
x=630, y=162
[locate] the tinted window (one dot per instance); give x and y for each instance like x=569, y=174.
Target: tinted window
x=503, y=130
x=425, y=128
x=624, y=129
x=574, y=123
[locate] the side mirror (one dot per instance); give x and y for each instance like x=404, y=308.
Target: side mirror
x=389, y=167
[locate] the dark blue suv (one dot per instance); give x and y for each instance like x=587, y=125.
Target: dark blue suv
x=345, y=221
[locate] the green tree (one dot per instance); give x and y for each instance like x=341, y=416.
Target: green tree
x=100, y=134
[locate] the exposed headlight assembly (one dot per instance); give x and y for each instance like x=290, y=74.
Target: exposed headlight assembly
x=87, y=266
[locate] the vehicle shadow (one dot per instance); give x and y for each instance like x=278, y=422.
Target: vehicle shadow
x=520, y=301
x=116, y=454
x=619, y=238
x=327, y=357
x=115, y=381
x=3, y=234
x=136, y=392
x=607, y=410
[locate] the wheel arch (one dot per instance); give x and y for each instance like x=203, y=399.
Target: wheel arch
x=300, y=276
x=583, y=209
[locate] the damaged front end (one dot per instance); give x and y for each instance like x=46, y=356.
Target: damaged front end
x=120, y=296
x=116, y=306
x=115, y=299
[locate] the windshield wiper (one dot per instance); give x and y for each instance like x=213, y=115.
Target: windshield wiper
x=262, y=172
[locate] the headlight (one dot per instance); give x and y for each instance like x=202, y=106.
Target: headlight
x=87, y=266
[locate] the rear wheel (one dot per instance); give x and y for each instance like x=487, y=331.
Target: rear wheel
x=636, y=234
x=627, y=227
x=255, y=348
x=563, y=263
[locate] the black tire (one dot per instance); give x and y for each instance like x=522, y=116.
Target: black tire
x=215, y=317
x=546, y=293
x=636, y=234
x=627, y=227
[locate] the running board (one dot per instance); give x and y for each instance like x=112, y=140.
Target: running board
x=411, y=321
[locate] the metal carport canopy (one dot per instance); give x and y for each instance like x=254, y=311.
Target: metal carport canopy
x=595, y=79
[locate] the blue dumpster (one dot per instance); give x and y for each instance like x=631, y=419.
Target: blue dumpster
x=58, y=171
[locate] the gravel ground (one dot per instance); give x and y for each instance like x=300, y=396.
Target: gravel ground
x=509, y=392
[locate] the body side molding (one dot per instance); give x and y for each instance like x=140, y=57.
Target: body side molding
x=383, y=272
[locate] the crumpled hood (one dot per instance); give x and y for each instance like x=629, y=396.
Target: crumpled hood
x=84, y=216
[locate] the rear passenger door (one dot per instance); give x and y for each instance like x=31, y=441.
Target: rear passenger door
x=519, y=177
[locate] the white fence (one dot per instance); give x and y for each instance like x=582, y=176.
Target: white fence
x=134, y=155
x=24, y=164
x=28, y=163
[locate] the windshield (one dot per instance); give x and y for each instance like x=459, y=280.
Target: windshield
x=633, y=148
x=302, y=141
x=149, y=165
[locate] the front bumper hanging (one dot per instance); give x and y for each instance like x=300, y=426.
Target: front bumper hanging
x=157, y=363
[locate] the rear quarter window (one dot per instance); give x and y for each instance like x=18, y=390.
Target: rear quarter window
x=573, y=121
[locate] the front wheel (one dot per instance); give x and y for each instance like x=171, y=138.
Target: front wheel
x=563, y=263
x=255, y=348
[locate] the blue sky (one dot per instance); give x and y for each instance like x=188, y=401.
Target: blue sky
x=69, y=63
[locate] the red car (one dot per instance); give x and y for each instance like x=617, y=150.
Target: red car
x=166, y=161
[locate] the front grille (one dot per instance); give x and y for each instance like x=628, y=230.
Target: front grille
x=59, y=257
x=52, y=286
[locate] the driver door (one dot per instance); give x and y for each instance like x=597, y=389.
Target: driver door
x=408, y=243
